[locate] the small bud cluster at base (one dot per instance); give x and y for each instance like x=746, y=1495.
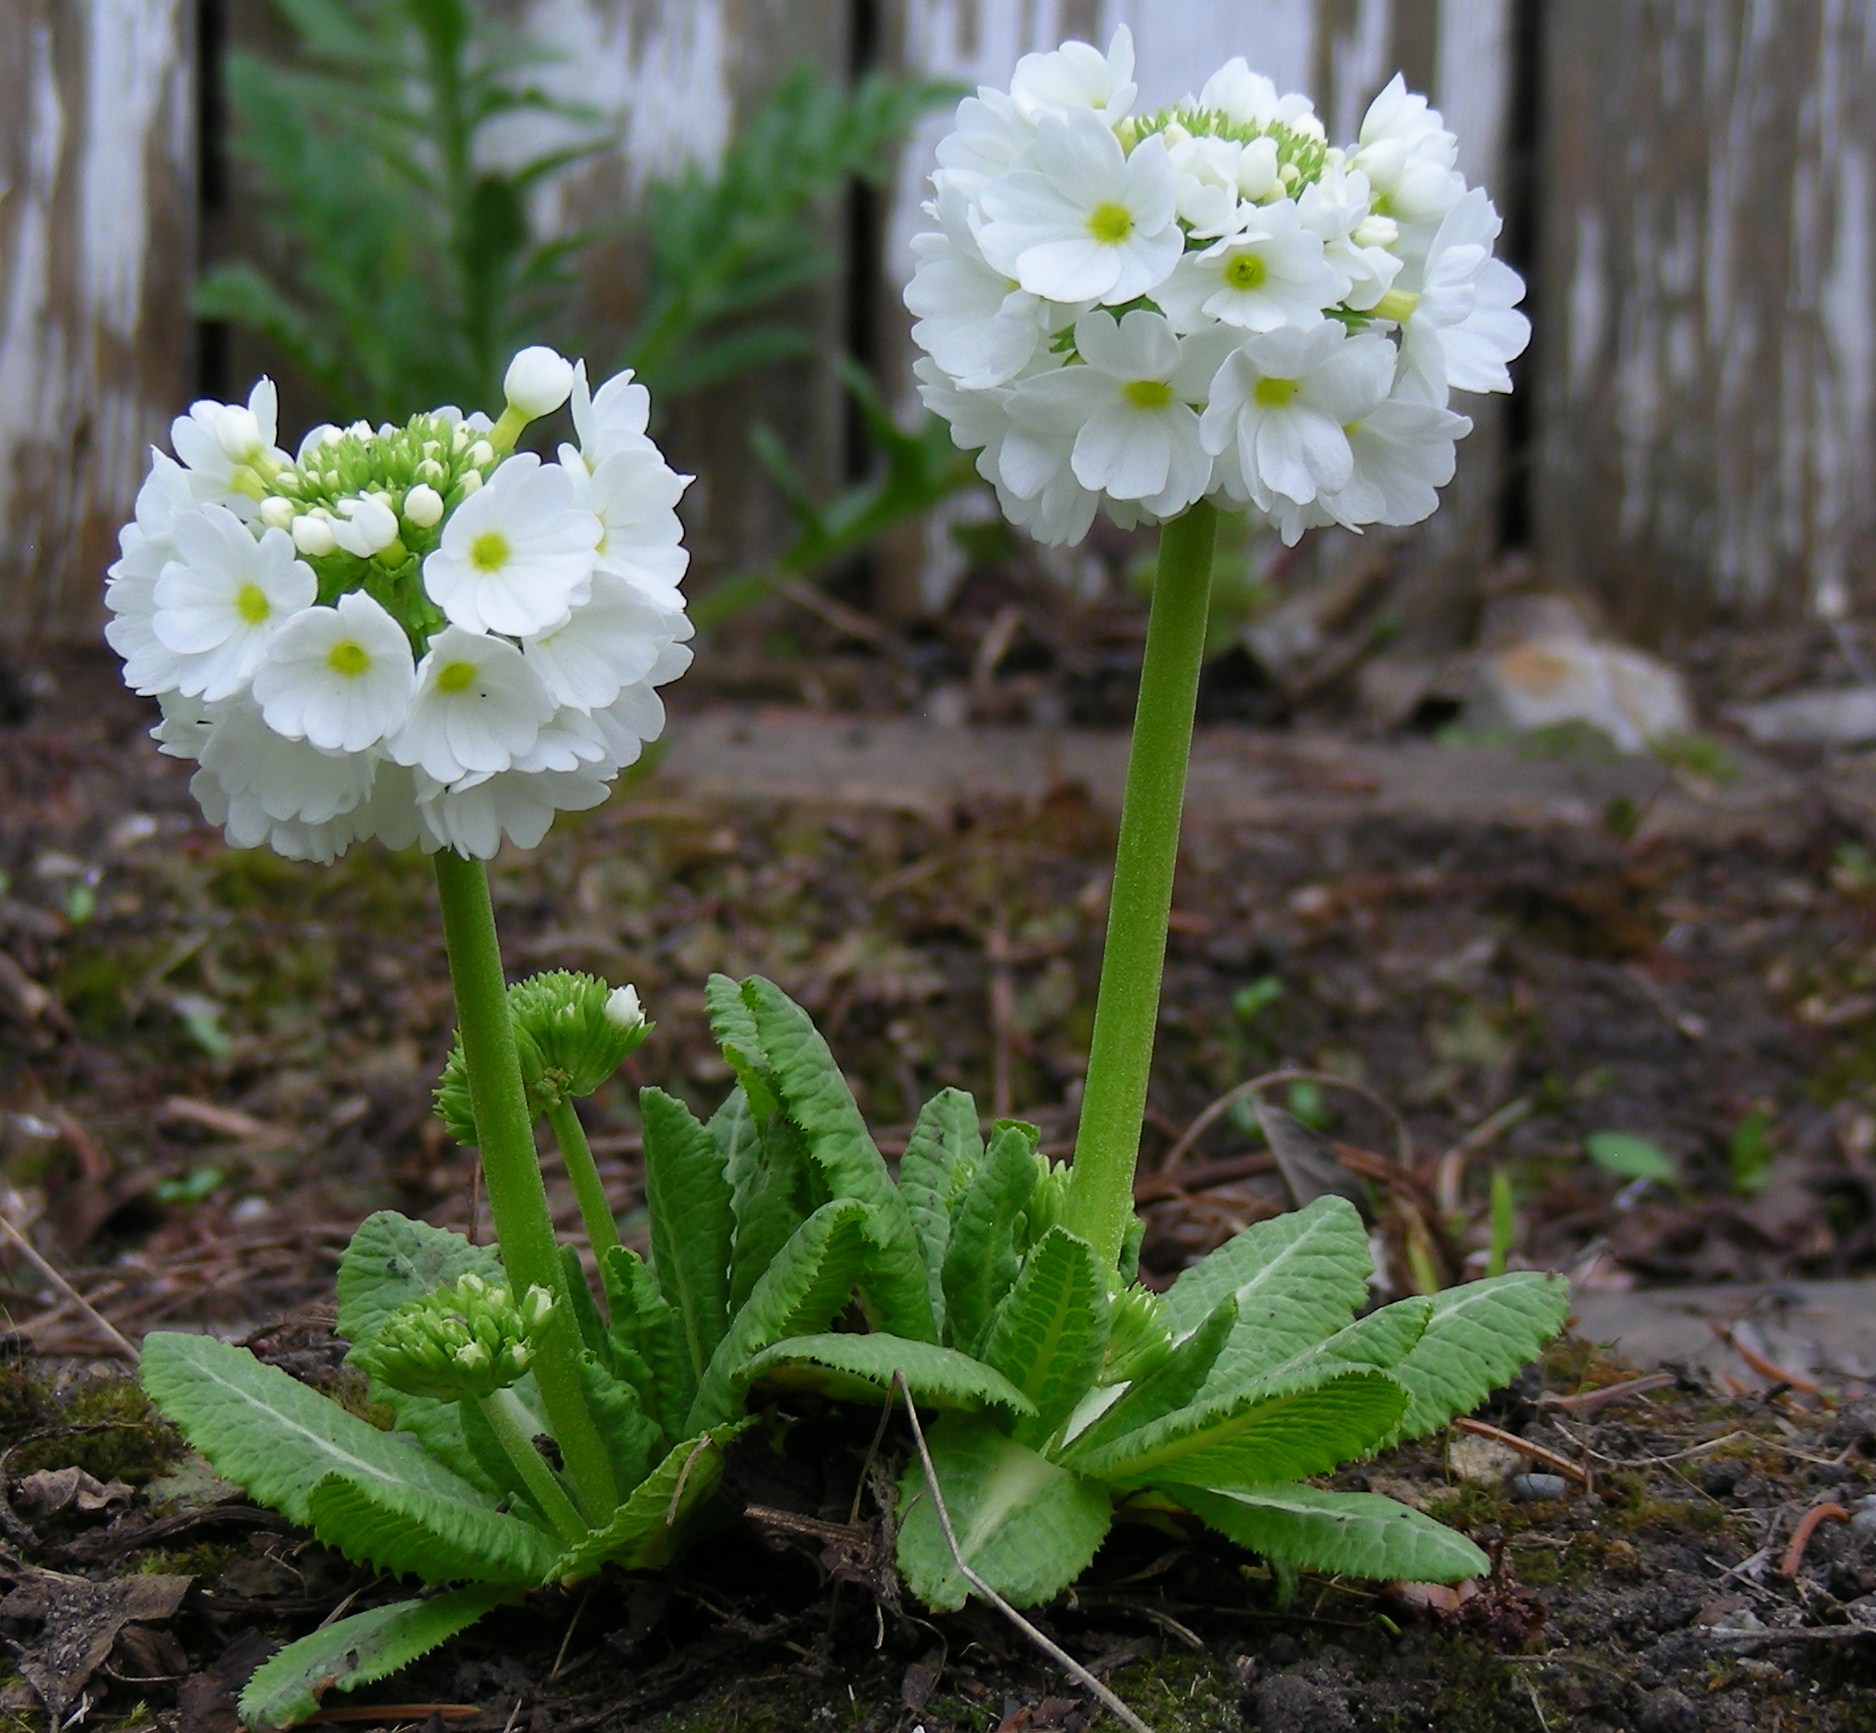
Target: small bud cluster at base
x=403, y=632
x=466, y=1340
x=572, y=1032
x=1127, y=313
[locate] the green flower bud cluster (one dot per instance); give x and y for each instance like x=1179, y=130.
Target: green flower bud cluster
x=1302, y=154
x=467, y=1340
x=573, y=1032
x=1137, y=1335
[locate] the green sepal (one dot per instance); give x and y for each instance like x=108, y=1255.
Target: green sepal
x=1024, y=1524
x=644, y=1532
x=941, y=1158
x=688, y=1196
x=1346, y=1533
x=646, y=1339
x=393, y=1260
x=1048, y=1334
x=859, y=1368
x=800, y=1294
x=289, y=1687
x=980, y=1262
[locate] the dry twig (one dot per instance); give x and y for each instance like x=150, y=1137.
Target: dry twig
x=1524, y=1447
x=100, y=1322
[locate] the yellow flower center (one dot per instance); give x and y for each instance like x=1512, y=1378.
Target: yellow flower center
x=456, y=676
x=1110, y=223
x=348, y=658
x=252, y=605
x=1276, y=393
x=489, y=551
x=1246, y=271
x=1147, y=393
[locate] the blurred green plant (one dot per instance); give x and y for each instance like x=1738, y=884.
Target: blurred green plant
x=415, y=264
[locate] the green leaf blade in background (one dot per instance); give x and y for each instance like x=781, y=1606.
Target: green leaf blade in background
x=861, y=1368
x=1349, y=1533
x=687, y=1195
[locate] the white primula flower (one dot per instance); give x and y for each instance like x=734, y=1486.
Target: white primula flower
x=223, y=597
x=1280, y=403
x=1127, y=411
x=980, y=326
x=634, y=494
x=1268, y=275
x=1088, y=222
x=1219, y=180
x=989, y=137
x=1355, y=242
x=517, y=556
x=613, y=418
x=538, y=381
x=1464, y=327
x=1077, y=75
x=221, y=445
x=1404, y=454
x=183, y=731
x=613, y=639
x=1251, y=99
x=1408, y=156
x=340, y=677
x=477, y=707
x=473, y=815
x=365, y=527
x=266, y=777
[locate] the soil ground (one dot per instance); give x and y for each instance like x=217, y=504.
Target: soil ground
x=212, y=1064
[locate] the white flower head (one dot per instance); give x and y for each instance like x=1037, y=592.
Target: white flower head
x=980, y=326
x=1077, y=75
x=612, y=640
x=340, y=677
x=517, y=555
x=613, y=418
x=538, y=381
x=223, y=444
x=1089, y=221
x=1270, y=274
x=633, y=493
x=477, y=708
x=1463, y=329
x=219, y=602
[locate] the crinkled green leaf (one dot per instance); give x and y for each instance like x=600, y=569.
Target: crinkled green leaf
x=772, y=1195
x=1027, y=1526
x=687, y=1194
x=1283, y=1434
x=734, y=1027
x=817, y=1099
x=409, y=1531
x=1297, y=1278
x=1048, y=1334
x=588, y=1322
x=799, y=1294
x=393, y=1260
x=633, y=1439
x=860, y=1368
x=940, y=1160
x=1476, y=1338
x=1381, y=1340
x=289, y=1687
x=1168, y=1386
x=645, y=1530
x=980, y=1262
x=275, y=1437
x=1350, y=1533
x=646, y=1340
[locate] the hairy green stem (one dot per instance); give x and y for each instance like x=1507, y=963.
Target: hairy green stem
x=511, y=1171
x=602, y=1230
x=513, y=1427
x=1113, y=1103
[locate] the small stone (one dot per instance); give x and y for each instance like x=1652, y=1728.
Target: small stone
x=1854, y=1428
x=1863, y=1517
x=1289, y=1704
x=1667, y=1710
x=1481, y=1461
x=1536, y=1488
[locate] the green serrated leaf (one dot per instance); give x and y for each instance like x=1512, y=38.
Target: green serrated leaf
x=393, y=1260
x=1048, y=1334
x=270, y=1434
x=1297, y=1278
x=735, y=1031
x=687, y=1194
x=289, y=1687
x=860, y=1368
x=632, y=1438
x=818, y=1100
x=1476, y=1338
x=799, y=1294
x=646, y=1339
x=940, y=1160
x=1285, y=1434
x=1170, y=1384
x=1025, y=1525
x=1381, y=1340
x=644, y=1531
x=772, y=1196
x=407, y=1531
x=980, y=1262
x=1350, y=1533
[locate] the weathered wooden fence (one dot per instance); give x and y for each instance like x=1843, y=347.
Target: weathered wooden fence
x=1695, y=181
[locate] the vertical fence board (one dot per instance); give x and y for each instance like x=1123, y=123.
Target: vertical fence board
x=1708, y=373
x=1341, y=52
x=97, y=157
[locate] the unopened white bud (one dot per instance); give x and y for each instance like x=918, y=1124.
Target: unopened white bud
x=237, y=432
x=470, y=483
x=423, y=506
x=538, y=381
x=622, y=1007
x=368, y=526
x=430, y=470
x=276, y=513
x=481, y=453
x=313, y=536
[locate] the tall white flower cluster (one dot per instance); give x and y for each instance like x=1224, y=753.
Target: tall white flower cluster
x=410, y=633
x=1132, y=311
